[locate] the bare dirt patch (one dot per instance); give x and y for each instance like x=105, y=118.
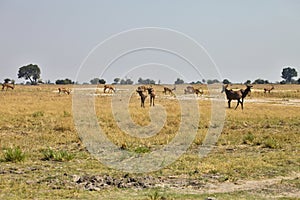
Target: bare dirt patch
x=207, y=184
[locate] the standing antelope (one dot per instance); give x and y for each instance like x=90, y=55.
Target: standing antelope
x=64, y=90
x=110, y=88
x=7, y=86
x=143, y=97
x=189, y=90
x=170, y=91
x=268, y=89
x=198, y=91
x=152, y=95
x=236, y=95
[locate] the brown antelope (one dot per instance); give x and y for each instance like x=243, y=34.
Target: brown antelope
x=236, y=95
x=110, y=88
x=143, y=97
x=198, y=91
x=7, y=86
x=64, y=90
x=170, y=91
x=269, y=89
x=189, y=90
x=151, y=92
x=143, y=87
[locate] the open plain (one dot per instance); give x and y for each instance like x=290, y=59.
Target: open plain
x=256, y=157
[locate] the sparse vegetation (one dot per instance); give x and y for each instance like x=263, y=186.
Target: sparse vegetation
x=60, y=155
x=260, y=142
x=13, y=155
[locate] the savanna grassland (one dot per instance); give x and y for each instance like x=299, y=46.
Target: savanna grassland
x=256, y=157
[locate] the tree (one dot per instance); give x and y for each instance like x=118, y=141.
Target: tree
x=146, y=81
x=64, y=82
x=116, y=80
x=102, y=81
x=193, y=82
x=94, y=81
x=247, y=82
x=288, y=74
x=226, y=81
x=259, y=81
x=179, y=81
x=212, y=81
x=127, y=81
x=7, y=80
x=30, y=72
x=298, y=80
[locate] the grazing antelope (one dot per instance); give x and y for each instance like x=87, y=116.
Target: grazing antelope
x=236, y=95
x=143, y=97
x=110, y=88
x=268, y=89
x=198, y=91
x=7, y=86
x=64, y=90
x=170, y=91
x=152, y=95
x=189, y=90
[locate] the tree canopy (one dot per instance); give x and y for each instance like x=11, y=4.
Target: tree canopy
x=226, y=81
x=179, y=81
x=212, y=81
x=30, y=72
x=64, y=82
x=288, y=73
x=7, y=80
x=127, y=81
x=261, y=81
x=116, y=80
x=94, y=81
x=146, y=81
x=102, y=81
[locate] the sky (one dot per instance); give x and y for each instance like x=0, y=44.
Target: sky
x=239, y=40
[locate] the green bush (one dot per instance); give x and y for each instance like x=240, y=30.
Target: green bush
x=50, y=154
x=13, y=155
x=248, y=138
x=271, y=143
x=38, y=114
x=142, y=150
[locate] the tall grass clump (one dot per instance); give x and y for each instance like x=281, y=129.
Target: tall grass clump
x=60, y=155
x=271, y=143
x=248, y=138
x=13, y=155
x=38, y=114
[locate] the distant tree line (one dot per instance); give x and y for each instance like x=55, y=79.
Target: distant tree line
x=32, y=72
x=64, y=82
x=146, y=81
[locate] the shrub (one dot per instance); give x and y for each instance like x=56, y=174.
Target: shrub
x=248, y=138
x=38, y=114
x=142, y=150
x=271, y=143
x=13, y=155
x=50, y=154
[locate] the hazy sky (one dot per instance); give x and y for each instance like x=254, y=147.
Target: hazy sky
x=246, y=39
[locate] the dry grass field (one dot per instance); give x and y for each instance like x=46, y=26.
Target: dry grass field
x=256, y=157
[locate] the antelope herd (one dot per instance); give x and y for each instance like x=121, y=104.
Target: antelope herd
x=145, y=91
